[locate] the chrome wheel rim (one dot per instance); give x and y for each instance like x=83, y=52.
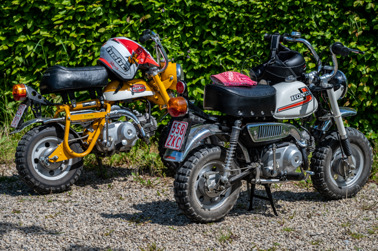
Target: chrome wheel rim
x=48, y=170
x=207, y=186
x=334, y=170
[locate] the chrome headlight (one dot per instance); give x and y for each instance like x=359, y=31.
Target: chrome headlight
x=179, y=72
x=340, y=84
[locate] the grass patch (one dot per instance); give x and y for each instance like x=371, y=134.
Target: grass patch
x=355, y=236
x=226, y=237
x=288, y=229
x=374, y=170
x=151, y=247
x=8, y=145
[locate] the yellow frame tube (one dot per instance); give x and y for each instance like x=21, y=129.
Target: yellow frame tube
x=68, y=153
x=162, y=89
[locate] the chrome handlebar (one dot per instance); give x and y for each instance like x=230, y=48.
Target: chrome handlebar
x=150, y=35
x=336, y=49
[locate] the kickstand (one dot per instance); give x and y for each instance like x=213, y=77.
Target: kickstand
x=99, y=162
x=268, y=193
x=101, y=171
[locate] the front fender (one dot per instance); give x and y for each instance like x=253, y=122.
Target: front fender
x=327, y=120
x=195, y=138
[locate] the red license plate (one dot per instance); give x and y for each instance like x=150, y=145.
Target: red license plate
x=17, y=118
x=176, y=135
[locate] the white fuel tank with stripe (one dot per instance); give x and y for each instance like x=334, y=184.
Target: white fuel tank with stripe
x=294, y=100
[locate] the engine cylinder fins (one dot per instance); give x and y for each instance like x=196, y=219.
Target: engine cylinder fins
x=262, y=132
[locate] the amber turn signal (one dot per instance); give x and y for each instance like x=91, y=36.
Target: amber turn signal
x=177, y=106
x=19, y=92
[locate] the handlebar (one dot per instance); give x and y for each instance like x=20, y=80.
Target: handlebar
x=144, y=38
x=336, y=49
x=339, y=49
x=150, y=35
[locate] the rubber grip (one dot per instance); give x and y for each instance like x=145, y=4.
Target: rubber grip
x=144, y=38
x=267, y=37
x=339, y=49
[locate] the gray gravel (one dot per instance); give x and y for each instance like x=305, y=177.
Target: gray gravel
x=128, y=213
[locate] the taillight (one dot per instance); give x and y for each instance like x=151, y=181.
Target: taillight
x=19, y=92
x=177, y=106
x=181, y=87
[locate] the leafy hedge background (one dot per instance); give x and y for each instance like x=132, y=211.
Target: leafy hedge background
x=206, y=37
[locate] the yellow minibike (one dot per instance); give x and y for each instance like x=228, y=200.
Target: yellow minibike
x=49, y=156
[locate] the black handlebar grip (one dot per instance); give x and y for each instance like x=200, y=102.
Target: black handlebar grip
x=339, y=49
x=267, y=37
x=144, y=38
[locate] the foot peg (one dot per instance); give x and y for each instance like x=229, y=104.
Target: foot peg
x=310, y=172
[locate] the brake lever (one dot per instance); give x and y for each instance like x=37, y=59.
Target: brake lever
x=356, y=51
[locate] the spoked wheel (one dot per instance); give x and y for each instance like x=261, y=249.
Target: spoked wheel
x=32, y=160
x=330, y=178
x=198, y=190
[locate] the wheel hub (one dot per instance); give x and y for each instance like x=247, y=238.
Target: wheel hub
x=343, y=167
x=45, y=162
x=209, y=184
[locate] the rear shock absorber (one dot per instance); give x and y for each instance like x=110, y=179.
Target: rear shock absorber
x=234, y=138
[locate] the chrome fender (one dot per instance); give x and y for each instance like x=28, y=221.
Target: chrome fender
x=327, y=120
x=195, y=138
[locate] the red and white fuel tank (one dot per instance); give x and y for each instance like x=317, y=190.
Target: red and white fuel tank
x=294, y=100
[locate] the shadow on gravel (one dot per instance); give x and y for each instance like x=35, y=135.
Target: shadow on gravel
x=14, y=186
x=6, y=227
x=263, y=206
x=98, y=176
x=167, y=212
x=157, y=212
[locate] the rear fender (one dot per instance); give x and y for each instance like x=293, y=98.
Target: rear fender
x=198, y=135
x=39, y=120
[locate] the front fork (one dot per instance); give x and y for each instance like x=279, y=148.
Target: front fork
x=345, y=144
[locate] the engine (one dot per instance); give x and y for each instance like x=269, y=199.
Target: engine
x=287, y=157
x=120, y=136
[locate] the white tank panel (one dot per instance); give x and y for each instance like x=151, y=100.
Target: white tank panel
x=294, y=100
x=126, y=94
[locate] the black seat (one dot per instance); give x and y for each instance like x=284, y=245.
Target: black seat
x=255, y=101
x=58, y=79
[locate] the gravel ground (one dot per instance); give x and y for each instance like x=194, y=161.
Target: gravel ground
x=125, y=212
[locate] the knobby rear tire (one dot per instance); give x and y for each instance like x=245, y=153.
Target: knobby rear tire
x=186, y=190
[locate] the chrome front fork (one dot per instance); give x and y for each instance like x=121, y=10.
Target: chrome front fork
x=336, y=114
x=345, y=144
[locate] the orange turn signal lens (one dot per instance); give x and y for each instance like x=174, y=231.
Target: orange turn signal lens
x=177, y=106
x=19, y=92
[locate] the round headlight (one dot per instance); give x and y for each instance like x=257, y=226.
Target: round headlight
x=340, y=84
x=179, y=72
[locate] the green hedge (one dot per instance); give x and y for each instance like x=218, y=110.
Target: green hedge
x=206, y=37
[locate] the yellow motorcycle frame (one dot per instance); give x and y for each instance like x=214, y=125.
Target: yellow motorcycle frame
x=159, y=84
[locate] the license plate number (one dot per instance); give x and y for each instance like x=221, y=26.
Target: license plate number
x=17, y=118
x=176, y=135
